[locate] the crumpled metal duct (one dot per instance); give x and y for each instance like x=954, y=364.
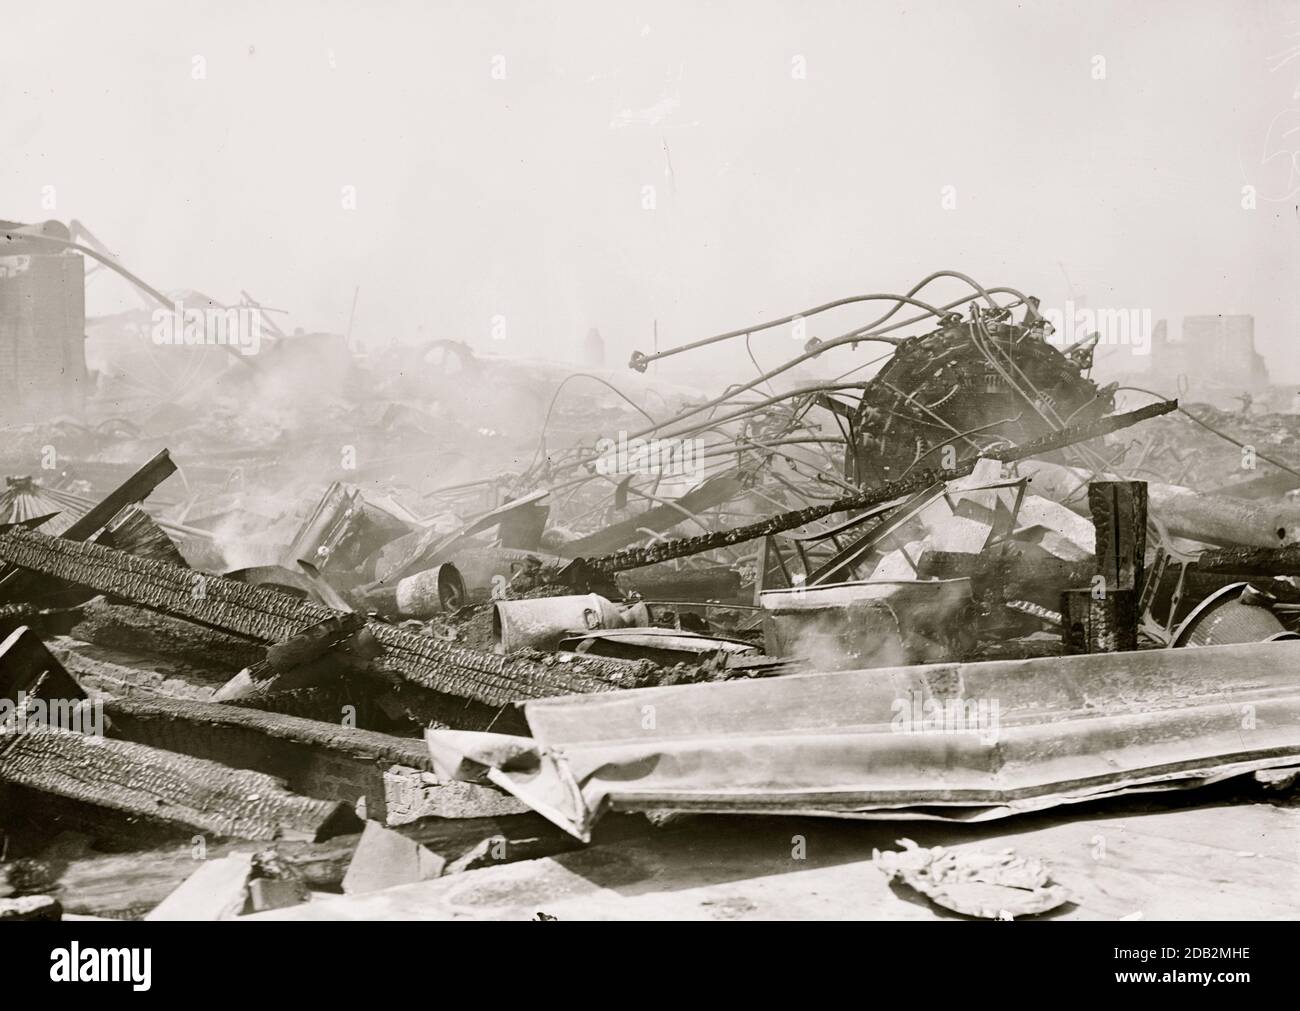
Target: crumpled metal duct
x=961, y=742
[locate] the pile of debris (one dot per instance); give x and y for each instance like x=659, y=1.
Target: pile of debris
x=945, y=592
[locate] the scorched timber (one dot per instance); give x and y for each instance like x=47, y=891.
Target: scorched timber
x=160, y=786
x=268, y=616
x=316, y=759
x=135, y=488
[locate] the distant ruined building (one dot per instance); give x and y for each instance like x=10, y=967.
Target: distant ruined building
x=42, y=324
x=1216, y=352
x=593, y=349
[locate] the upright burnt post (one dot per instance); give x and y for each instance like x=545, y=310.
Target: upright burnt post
x=1119, y=513
x=1103, y=618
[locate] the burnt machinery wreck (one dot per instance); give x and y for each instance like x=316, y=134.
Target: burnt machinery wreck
x=399, y=628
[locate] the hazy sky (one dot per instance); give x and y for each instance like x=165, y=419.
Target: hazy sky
x=500, y=155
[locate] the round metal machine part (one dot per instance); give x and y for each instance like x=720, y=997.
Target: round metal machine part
x=954, y=387
x=1231, y=614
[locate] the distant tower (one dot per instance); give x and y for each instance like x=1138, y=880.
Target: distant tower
x=42, y=325
x=593, y=349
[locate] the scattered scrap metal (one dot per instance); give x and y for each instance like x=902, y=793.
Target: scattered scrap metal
x=944, y=592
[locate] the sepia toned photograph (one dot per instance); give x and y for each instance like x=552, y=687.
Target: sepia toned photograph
x=650, y=461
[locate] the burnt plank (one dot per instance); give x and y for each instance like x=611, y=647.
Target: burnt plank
x=162, y=786
x=268, y=616
x=317, y=759
x=135, y=488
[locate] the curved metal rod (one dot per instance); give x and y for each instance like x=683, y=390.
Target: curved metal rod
x=759, y=405
x=640, y=360
x=854, y=337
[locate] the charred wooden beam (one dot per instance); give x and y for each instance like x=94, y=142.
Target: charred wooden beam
x=112, y=678
x=267, y=616
x=1103, y=617
x=242, y=733
x=328, y=761
x=1251, y=561
x=1119, y=515
x=324, y=653
x=135, y=629
x=157, y=785
x=134, y=489
x=1099, y=621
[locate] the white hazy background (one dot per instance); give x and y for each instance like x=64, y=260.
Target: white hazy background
x=523, y=197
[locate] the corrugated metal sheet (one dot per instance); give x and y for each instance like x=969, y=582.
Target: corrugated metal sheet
x=963, y=742
x=24, y=499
